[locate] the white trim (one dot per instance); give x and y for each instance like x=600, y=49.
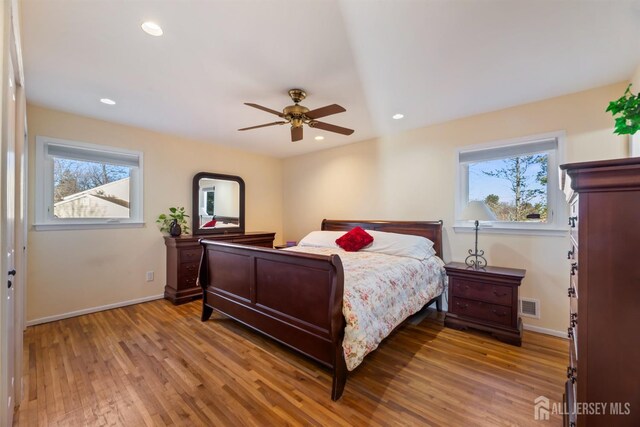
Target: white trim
x=92, y=310
x=522, y=140
x=88, y=225
x=552, y=332
x=556, y=207
x=558, y=232
x=44, y=189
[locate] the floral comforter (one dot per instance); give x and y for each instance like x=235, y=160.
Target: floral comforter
x=380, y=291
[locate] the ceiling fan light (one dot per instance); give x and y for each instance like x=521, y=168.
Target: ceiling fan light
x=107, y=101
x=397, y=116
x=319, y=138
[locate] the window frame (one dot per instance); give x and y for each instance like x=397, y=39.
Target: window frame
x=44, y=164
x=556, y=225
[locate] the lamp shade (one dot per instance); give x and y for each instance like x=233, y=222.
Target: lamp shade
x=477, y=211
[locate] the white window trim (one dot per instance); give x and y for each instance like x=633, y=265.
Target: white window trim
x=555, y=199
x=44, y=220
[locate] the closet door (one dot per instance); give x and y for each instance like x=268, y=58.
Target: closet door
x=7, y=242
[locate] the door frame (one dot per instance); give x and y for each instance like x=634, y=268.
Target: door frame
x=21, y=202
x=11, y=48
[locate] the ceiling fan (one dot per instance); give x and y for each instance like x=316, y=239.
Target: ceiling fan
x=297, y=115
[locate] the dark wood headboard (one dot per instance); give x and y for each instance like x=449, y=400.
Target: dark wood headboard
x=432, y=230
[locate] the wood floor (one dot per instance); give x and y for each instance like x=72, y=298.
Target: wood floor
x=156, y=364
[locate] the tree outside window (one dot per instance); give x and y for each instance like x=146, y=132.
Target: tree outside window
x=514, y=188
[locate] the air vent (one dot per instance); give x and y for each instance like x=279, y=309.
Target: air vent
x=529, y=307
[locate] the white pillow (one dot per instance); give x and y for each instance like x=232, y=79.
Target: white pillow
x=406, y=245
x=322, y=239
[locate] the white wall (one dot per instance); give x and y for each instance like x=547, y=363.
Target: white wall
x=412, y=175
x=408, y=176
x=74, y=270
x=634, y=140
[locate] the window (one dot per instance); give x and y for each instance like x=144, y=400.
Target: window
x=517, y=180
x=80, y=185
x=209, y=195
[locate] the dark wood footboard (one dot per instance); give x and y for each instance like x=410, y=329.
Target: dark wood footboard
x=294, y=298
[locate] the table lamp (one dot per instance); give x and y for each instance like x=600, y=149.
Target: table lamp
x=477, y=211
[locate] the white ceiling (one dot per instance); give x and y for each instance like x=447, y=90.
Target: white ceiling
x=432, y=60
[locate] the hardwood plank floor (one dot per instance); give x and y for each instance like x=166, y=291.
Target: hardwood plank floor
x=156, y=364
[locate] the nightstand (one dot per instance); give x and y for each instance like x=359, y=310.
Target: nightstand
x=485, y=299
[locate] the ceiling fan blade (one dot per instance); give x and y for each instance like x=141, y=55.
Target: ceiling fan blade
x=325, y=111
x=264, y=125
x=268, y=110
x=296, y=133
x=331, y=128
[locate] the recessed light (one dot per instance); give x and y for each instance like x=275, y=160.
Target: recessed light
x=107, y=101
x=151, y=28
x=398, y=116
x=319, y=138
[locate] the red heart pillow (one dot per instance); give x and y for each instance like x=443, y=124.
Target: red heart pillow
x=211, y=223
x=354, y=240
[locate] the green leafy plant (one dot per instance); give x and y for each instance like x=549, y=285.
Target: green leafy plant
x=627, y=108
x=176, y=214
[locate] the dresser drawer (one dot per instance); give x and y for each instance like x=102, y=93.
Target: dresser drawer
x=572, y=254
x=573, y=284
x=481, y=310
x=569, y=415
x=486, y=292
x=190, y=255
x=573, y=355
x=572, y=333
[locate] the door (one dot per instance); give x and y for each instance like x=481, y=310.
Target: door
x=8, y=243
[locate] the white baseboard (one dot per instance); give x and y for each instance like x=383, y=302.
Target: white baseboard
x=561, y=334
x=92, y=310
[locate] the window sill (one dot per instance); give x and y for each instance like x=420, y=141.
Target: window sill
x=560, y=232
x=87, y=226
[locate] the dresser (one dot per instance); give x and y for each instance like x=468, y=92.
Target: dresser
x=603, y=292
x=485, y=299
x=183, y=261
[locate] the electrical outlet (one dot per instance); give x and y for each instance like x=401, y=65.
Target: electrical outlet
x=149, y=276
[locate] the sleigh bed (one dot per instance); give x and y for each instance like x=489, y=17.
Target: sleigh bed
x=296, y=297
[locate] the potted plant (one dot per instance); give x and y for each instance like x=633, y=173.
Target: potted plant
x=627, y=110
x=175, y=223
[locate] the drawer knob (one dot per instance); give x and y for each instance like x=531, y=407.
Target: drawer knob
x=572, y=221
x=571, y=374
x=574, y=319
x=499, y=313
x=574, y=268
x=572, y=292
x=499, y=294
x=569, y=333
x=571, y=253
x=462, y=305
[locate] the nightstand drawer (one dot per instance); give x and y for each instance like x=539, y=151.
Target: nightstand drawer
x=481, y=310
x=189, y=281
x=190, y=255
x=486, y=292
x=189, y=269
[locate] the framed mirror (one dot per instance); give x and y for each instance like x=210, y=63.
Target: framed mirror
x=218, y=204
